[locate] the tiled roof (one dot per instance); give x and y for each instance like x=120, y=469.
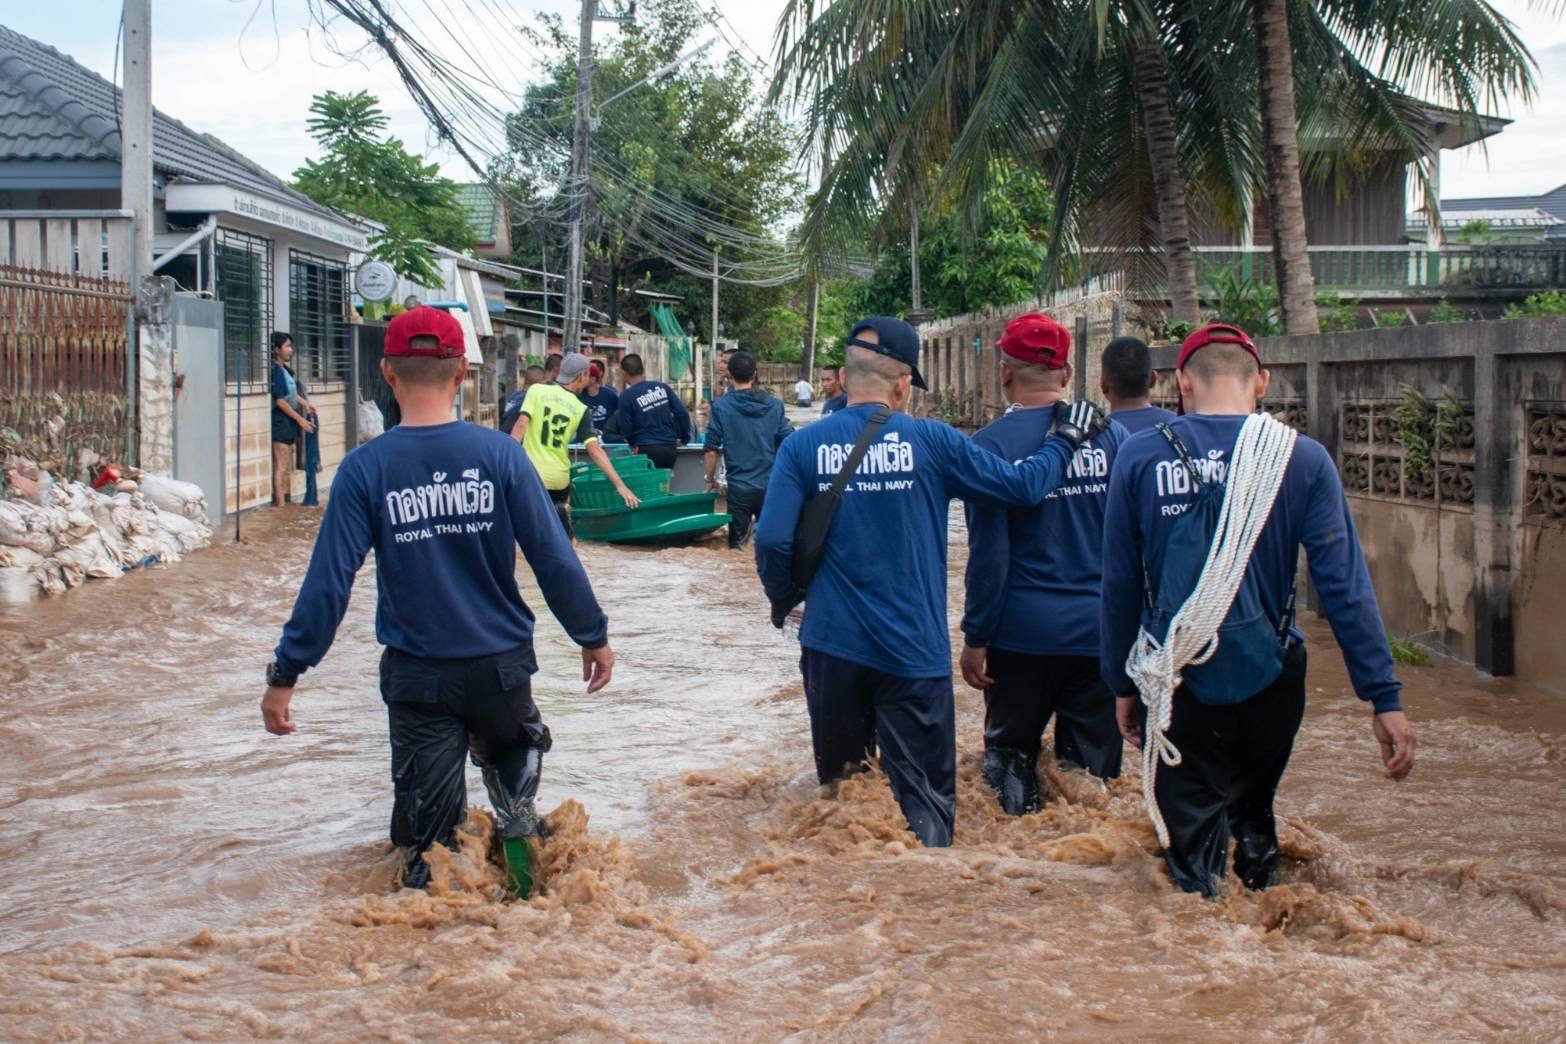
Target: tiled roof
x=1552, y=202
x=484, y=211
x=53, y=108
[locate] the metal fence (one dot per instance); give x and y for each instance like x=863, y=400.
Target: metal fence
x=64, y=367
x=1395, y=271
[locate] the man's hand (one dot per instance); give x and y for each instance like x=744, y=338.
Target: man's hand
x=597, y=667
x=305, y=426
x=975, y=667
x=1083, y=420
x=631, y=499
x=274, y=710
x=1396, y=737
x=1129, y=719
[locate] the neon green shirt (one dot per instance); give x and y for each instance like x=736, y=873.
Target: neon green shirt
x=556, y=417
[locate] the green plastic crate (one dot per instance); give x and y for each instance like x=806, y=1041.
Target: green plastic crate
x=594, y=493
x=658, y=520
x=623, y=465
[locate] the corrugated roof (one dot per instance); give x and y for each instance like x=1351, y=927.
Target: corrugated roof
x=484, y=211
x=53, y=108
x=1552, y=202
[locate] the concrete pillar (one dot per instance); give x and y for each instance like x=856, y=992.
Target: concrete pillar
x=1495, y=513
x=155, y=376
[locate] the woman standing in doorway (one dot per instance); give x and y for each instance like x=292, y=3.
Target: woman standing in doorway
x=290, y=417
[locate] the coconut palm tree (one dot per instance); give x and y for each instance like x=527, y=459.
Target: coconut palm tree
x=915, y=91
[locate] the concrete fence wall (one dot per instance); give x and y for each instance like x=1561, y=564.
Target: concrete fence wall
x=959, y=360
x=1468, y=553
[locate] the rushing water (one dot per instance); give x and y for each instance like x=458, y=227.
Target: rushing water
x=171, y=871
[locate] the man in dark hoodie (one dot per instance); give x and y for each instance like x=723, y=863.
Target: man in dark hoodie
x=747, y=427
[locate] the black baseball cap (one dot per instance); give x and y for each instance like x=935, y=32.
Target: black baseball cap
x=895, y=338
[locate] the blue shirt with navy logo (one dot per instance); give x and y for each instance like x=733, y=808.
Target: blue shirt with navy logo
x=600, y=405
x=1149, y=489
x=879, y=599
x=444, y=507
x=1142, y=418
x=651, y=414
x=1033, y=573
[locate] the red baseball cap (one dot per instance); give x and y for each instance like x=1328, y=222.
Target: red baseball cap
x=1036, y=338
x=425, y=321
x=1216, y=333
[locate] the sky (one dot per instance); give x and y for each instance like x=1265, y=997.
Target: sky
x=219, y=66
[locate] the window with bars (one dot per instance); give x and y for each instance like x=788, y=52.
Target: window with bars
x=244, y=285
x=318, y=310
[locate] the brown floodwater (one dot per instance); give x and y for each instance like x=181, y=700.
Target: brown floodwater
x=170, y=871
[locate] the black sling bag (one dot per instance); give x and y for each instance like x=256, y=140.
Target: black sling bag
x=815, y=519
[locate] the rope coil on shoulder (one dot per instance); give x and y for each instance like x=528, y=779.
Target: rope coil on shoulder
x=1255, y=474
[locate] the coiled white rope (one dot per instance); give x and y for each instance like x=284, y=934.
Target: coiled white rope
x=1255, y=474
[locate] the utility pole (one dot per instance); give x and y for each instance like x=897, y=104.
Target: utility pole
x=572, y=320
x=580, y=138
x=703, y=363
x=154, y=352
x=813, y=307
x=136, y=132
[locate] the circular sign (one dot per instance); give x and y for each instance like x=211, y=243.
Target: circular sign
x=376, y=281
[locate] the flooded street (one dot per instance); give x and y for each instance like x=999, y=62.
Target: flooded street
x=170, y=871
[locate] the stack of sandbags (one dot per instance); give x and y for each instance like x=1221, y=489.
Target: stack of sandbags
x=55, y=535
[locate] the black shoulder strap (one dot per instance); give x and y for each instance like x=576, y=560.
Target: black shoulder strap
x=872, y=428
x=1183, y=453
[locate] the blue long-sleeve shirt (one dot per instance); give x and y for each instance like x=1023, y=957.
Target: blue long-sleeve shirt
x=879, y=598
x=651, y=414
x=1033, y=573
x=1148, y=490
x=445, y=508
x=747, y=426
x=1142, y=418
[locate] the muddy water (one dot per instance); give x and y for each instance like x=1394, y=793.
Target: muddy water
x=170, y=871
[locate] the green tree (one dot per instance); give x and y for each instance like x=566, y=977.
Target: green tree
x=966, y=269
x=680, y=165
x=362, y=171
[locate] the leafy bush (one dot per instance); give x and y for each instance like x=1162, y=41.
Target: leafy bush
x=1335, y=314
x=1391, y=317
x=1408, y=653
x=1424, y=427
x=1246, y=303
x=1443, y=312
x=1164, y=328
x=1545, y=305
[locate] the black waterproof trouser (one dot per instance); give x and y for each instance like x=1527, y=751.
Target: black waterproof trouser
x=561, y=499
x=438, y=711
x=854, y=708
x=1028, y=690
x=1232, y=757
x=661, y=456
x=744, y=508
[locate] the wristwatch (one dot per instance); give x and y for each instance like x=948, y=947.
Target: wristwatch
x=276, y=678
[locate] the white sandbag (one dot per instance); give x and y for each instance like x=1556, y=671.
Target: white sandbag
x=17, y=584
x=189, y=533
x=371, y=423
x=24, y=525
x=22, y=557
x=86, y=557
x=182, y=498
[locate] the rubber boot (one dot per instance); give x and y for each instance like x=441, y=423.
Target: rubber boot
x=1012, y=775
x=512, y=782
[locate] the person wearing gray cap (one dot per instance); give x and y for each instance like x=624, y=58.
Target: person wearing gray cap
x=552, y=418
x=876, y=648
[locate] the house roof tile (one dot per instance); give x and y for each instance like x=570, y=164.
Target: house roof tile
x=54, y=108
